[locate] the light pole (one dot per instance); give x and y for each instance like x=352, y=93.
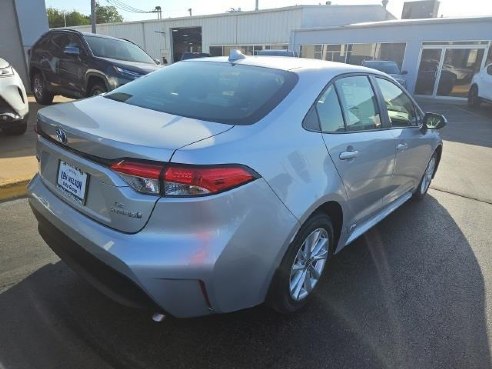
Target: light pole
x=93, y=15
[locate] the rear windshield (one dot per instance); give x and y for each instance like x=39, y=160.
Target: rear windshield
x=117, y=49
x=211, y=91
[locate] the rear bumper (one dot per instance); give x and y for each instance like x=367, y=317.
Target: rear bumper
x=220, y=263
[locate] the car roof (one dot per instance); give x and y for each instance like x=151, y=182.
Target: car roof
x=288, y=63
x=101, y=36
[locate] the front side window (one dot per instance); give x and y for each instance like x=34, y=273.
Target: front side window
x=358, y=103
x=489, y=69
x=117, y=49
x=211, y=91
x=329, y=112
x=401, y=110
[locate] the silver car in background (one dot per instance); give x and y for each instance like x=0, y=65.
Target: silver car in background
x=218, y=184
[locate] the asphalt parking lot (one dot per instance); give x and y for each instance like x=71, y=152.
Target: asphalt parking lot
x=414, y=292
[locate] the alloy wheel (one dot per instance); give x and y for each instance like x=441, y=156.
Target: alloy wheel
x=429, y=172
x=309, y=264
x=38, y=87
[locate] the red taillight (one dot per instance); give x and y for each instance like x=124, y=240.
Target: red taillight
x=182, y=180
x=152, y=171
x=208, y=179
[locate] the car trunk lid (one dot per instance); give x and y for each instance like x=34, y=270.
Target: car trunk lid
x=79, y=141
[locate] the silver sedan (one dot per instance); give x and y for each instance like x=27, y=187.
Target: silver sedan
x=218, y=184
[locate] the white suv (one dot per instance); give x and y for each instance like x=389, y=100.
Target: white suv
x=481, y=88
x=14, y=108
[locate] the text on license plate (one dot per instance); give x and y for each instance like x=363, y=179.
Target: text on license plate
x=72, y=180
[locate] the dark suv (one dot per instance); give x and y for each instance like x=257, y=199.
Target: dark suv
x=75, y=64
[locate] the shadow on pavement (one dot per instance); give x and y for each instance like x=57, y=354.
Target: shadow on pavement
x=23, y=145
x=472, y=126
x=409, y=294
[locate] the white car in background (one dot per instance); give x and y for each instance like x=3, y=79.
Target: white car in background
x=14, y=108
x=481, y=87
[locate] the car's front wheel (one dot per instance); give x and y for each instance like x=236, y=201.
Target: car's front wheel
x=97, y=89
x=426, y=180
x=473, y=98
x=303, y=265
x=41, y=93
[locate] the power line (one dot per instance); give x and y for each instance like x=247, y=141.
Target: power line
x=127, y=8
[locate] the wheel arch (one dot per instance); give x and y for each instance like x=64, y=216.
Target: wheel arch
x=93, y=78
x=438, y=152
x=335, y=211
x=32, y=72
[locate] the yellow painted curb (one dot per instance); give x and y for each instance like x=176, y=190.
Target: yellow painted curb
x=13, y=190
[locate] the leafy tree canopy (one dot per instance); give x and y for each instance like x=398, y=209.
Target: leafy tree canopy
x=104, y=14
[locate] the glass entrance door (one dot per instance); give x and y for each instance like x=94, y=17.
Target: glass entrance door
x=457, y=71
x=448, y=71
x=428, y=71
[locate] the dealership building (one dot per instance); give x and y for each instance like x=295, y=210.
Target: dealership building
x=21, y=24
x=439, y=55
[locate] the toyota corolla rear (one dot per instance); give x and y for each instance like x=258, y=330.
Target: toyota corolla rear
x=144, y=229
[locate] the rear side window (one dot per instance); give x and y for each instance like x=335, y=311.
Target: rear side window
x=358, y=103
x=329, y=111
x=218, y=92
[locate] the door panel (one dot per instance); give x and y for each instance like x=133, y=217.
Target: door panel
x=411, y=146
x=361, y=149
x=411, y=158
x=428, y=71
x=367, y=173
x=73, y=68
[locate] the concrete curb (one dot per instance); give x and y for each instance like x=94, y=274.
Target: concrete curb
x=13, y=189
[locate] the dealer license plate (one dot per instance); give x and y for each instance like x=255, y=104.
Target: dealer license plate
x=72, y=181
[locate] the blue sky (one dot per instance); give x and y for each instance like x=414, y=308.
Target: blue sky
x=179, y=8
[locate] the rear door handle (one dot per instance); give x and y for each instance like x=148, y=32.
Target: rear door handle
x=347, y=155
x=401, y=147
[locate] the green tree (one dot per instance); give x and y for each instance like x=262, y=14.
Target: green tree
x=104, y=14
x=107, y=14
x=75, y=18
x=58, y=18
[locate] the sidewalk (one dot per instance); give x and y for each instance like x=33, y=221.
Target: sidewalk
x=18, y=162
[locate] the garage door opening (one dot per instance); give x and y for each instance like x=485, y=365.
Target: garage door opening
x=186, y=40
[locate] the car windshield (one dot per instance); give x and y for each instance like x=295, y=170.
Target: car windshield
x=117, y=49
x=386, y=67
x=210, y=91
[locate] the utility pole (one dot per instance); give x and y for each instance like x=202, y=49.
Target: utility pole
x=256, y=5
x=93, y=15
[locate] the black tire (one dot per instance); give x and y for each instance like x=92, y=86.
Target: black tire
x=473, y=98
x=279, y=296
x=17, y=130
x=97, y=89
x=420, y=191
x=40, y=91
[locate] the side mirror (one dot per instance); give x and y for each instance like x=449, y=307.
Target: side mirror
x=403, y=72
x=71, y=50
x=434, y=121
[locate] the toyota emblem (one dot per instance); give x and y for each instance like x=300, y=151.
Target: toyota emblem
x=61, y=135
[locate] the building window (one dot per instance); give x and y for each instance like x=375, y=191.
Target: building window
x=220, y=50
x=215, y=51
x=355, y=53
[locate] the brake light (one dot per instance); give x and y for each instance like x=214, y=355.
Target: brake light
x=182, y=180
